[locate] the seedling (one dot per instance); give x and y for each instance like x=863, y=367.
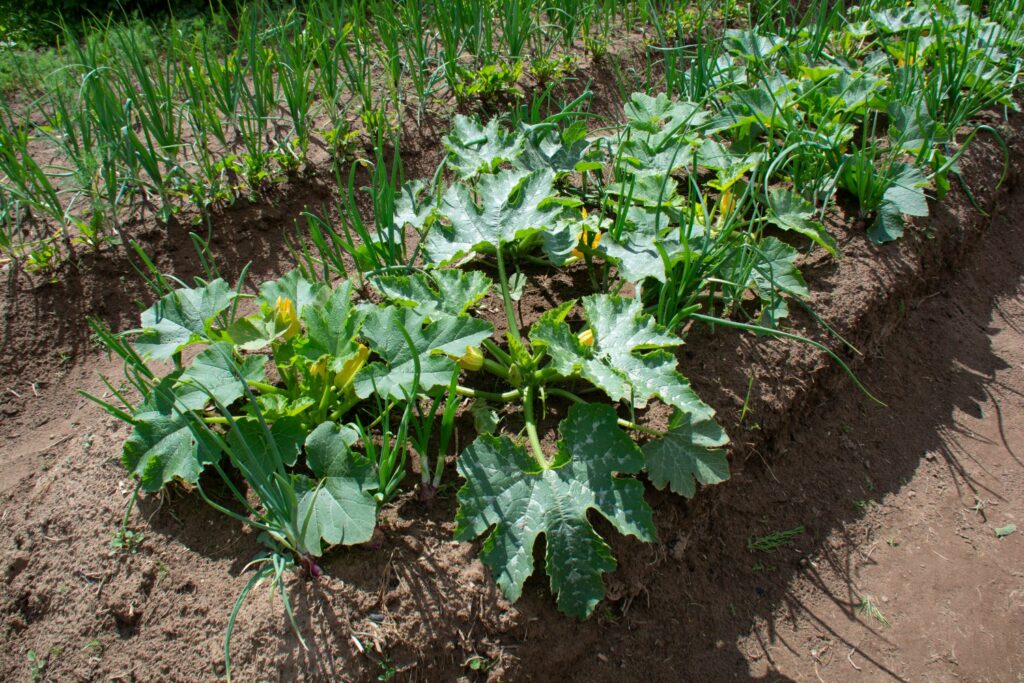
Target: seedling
x=37, y=666
x=127, y=540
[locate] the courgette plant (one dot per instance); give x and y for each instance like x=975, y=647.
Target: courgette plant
x=281, y=396
x=516, y=490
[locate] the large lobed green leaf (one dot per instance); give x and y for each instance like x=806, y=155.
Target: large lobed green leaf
x=435, y=293
x=627, y=360
x=162, y=446
x=512, y=205
x=432, y=342
x=690, y=451
x=474, y=149
x=181, y=318
x=506, y=491
x=338, y=508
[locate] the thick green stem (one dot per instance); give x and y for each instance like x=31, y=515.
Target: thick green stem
x=546, y=375
x=506, y=397
x=497, y=351
x=495, y=368
x=513, y=328
x=531, y=428
x=326, y=398
x=626, y=424
x=263, y=387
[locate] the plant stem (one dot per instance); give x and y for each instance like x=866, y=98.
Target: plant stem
x=506, y=397
x=546, y=375
x=513, y=329
x=626, y=424
x=531, y=428
x=495, y=368
x=497, y=351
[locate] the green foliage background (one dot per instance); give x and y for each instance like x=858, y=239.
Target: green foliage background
x=35, y=23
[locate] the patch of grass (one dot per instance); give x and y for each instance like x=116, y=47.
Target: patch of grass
x=867, y=607
x=776, y=540
x=26, y=69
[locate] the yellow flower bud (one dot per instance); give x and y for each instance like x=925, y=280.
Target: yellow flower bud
x=318, y=369
x=472, y=359
x=727, y=202
x=351, y=367
x=284, y=317
x=589, y=240
x=586, y=337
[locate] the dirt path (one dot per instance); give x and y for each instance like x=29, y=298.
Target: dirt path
x=894, y=571
x=948, y=594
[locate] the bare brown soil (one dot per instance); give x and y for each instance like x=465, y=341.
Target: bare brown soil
x=698, y=604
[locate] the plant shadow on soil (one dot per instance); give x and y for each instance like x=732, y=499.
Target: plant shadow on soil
x=714, y=609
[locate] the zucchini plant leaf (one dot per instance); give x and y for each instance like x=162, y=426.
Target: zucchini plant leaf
x=651, y=189
x=888, y=225
x=906, y=191
x=163, y=447
x=432, y=341
x=628, y=358
x=663, y=120
x=332, y=326
x=636, y=250
x=513, y=205
x=671, y=158
x=751, y=45
x=291, y=286
x=775, y=269
x=558, y=151
x=790, y=211
x=690, y=452
x=212, y=372
x=635, y=254
x=475, y=149
x=413, y=206
x=181, y=318
x=507, y=493
x=338, y=508
x=288, y=434
x=904, y=196
x=435, y=293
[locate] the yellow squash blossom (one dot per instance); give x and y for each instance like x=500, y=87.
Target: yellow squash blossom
x=351, y=367
x=586, y=337
x=319, y=369
x=728, y=201
x=587, y=239
x=584, y=237
x=284, y=317
x=472, y=359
